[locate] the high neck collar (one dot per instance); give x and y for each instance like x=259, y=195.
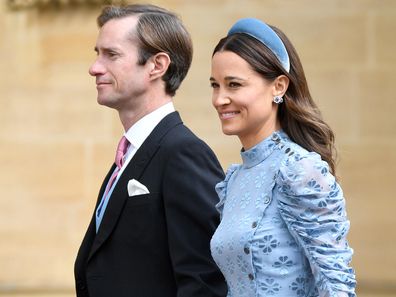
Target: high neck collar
x=262, y=150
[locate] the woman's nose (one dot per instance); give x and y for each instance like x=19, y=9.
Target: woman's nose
x=220, y=98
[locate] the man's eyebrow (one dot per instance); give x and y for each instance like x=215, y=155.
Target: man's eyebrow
x=106, y=49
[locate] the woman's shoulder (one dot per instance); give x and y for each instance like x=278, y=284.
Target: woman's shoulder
x=222, y=186
x=301, y=169
x=307, y=187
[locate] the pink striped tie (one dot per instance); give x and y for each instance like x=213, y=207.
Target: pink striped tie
x=119, y=160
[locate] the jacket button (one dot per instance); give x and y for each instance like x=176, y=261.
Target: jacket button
x=251, y=277
x=254, y=225
x=246, y=250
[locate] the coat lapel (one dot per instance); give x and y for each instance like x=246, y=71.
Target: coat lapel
x=134, y=170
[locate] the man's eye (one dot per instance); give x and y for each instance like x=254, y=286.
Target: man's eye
x=112, y=54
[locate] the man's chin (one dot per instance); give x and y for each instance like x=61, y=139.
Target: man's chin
x=107, y=103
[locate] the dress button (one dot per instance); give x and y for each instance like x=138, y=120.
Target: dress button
x=275, y=138
x=254, y=224
x=267, y=199
x=246, y=250
x=251, y=277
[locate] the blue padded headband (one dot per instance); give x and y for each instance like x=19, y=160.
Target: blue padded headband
x=263, y=33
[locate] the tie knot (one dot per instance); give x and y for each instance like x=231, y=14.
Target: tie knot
x=121, y=150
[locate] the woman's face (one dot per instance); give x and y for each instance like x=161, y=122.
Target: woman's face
x=243, y=99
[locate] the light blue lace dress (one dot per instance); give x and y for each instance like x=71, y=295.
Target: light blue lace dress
x=283, y=225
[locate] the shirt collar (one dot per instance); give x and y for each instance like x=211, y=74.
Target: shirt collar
x=138, y=133
x=262, y=150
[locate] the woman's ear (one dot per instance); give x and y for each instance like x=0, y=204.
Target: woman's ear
x=281, y=84
x=159, y=65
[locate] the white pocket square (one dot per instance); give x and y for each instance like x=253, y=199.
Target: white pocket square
x=136, y=188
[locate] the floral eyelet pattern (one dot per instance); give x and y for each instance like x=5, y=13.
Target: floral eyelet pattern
x=283, y=225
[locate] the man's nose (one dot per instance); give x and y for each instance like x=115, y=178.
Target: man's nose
x=96, y=68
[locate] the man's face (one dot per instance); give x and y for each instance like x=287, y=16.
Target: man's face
x=120, y=81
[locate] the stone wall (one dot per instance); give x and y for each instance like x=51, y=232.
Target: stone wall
x=56, y=143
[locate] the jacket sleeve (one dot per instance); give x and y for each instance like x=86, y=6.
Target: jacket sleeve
x=191, y=174
x=312, y=204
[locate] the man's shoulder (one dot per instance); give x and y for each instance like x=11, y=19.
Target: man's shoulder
x=176, y=136
x=182, y=135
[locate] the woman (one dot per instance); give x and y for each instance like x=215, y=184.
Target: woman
x=283, y=221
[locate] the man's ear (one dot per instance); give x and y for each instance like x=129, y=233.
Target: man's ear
x=159, y=65
x=281, y=83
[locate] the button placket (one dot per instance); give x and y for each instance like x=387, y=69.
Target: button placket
x=267, y=199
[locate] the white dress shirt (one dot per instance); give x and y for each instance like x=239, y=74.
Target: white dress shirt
x=136, y=135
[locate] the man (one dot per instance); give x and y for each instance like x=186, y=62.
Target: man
x=155, y=215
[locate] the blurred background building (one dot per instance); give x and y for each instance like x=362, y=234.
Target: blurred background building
x=56, y=143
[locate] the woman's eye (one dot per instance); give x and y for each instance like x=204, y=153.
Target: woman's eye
x=234, y=85
x=214, y=85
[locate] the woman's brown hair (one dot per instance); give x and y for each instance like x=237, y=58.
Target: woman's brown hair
x=299, y=116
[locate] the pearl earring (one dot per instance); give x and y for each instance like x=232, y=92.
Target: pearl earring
x=278, y=99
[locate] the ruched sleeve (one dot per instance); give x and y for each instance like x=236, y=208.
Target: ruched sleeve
x=312, y=204
x=221, y=188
